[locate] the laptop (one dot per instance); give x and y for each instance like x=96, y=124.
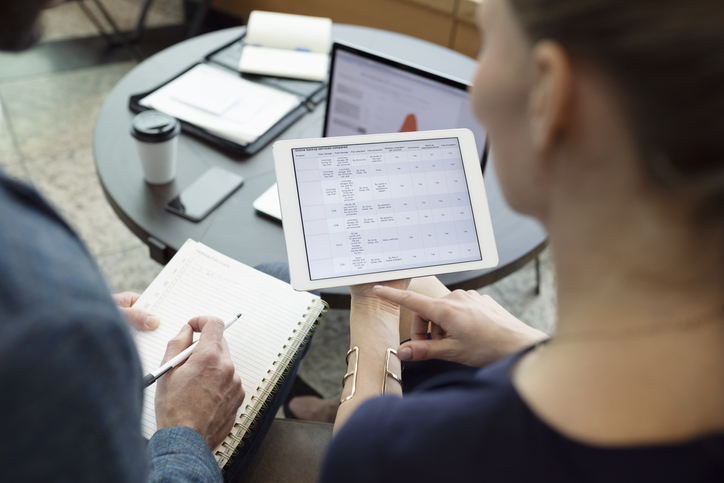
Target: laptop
x=371, y=94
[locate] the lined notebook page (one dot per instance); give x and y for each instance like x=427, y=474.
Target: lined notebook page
x=201, y=281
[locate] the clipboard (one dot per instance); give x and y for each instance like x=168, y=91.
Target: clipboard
x=226, y=57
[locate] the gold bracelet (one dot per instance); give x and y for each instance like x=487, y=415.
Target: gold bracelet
x=354, y=349
x=388, y=372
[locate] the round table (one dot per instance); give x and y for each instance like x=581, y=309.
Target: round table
x=235, y=228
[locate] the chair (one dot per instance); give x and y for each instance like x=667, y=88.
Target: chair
x=292, y=451
x=117, y=38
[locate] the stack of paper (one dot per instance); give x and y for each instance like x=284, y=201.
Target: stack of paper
x=222, y=103
x=286, y=45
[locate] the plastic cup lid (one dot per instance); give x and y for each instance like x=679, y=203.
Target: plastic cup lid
x=154, y=126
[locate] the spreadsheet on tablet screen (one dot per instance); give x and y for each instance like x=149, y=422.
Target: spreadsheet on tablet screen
x=375, y=207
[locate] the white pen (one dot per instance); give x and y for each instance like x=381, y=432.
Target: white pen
x=150, y=378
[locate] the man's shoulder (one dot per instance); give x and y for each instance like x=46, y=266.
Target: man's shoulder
x=25, y=209
x=42, y=261
x=50, y=287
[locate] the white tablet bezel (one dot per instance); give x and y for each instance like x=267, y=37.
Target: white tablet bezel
x=292, y=221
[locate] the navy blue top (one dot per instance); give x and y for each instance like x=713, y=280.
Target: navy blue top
x=475, y=427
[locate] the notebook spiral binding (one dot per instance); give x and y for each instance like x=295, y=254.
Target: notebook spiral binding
x=248, y=420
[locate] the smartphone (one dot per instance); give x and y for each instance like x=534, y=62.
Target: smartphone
x=205, y=194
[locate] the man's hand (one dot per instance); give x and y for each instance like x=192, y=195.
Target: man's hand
x=136, y=318
x=204, y=392
x=465, y=327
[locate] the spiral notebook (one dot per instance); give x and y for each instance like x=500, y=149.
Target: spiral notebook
x=276, y=323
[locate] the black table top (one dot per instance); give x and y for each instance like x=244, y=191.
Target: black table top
x=235, y=228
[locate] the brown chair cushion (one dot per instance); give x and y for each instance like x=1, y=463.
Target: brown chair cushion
x=292, y=451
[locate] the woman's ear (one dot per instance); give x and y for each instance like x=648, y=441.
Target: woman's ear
x=551, y=95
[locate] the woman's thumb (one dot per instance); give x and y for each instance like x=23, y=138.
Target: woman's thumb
x=422, y=350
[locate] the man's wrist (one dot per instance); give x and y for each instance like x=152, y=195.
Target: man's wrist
x=188, y=450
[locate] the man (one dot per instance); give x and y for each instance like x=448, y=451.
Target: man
x=70, y=380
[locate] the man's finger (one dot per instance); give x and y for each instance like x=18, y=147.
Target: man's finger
x=225, y=348
x=179, y=343
x=212, y=332
x=140, y=319
x=125, y=299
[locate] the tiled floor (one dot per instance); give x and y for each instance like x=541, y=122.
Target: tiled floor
x=46, y=140
x=68, y=20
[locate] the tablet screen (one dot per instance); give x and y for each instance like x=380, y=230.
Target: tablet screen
x=375, y=207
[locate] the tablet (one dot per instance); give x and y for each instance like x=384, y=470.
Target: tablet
x=371, y=208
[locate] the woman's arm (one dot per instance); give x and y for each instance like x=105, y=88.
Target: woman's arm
x=374, y=328
x=465, y=327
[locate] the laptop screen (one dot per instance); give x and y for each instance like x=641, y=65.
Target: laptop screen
x=371, y=94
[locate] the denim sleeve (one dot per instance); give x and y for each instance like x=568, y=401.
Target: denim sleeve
x=180, y=454
x=71, y=400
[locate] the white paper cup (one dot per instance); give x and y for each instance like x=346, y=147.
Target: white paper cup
x=156, y=137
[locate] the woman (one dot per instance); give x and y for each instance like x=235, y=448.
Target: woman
x=606, y=120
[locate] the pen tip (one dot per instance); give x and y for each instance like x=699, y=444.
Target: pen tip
x=238, y=315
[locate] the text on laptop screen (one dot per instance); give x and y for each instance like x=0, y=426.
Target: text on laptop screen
x=375, y=207
x=368, y=96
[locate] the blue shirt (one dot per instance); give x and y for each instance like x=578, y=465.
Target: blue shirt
x=475, y=427
x=70, y=378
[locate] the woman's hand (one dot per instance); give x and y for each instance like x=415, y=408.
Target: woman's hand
x=465, y=327
x=136, y=318
x=365, y=293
